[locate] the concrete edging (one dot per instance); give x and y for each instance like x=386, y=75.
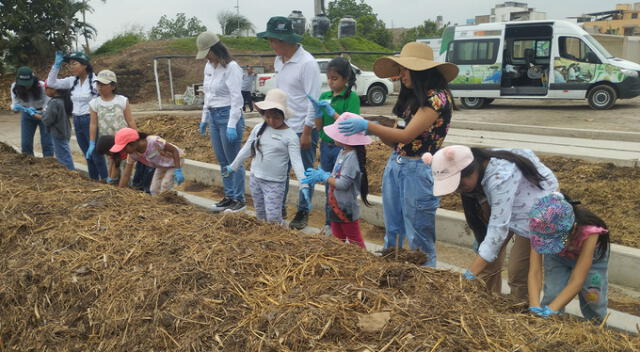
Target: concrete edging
x=451, y=226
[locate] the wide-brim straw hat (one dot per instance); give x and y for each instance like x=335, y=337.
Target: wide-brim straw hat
x=275, y=99
x=415, y=57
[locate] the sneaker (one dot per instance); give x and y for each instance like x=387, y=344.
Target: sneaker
x=222, y=205
x=326, y=230
x=300, y=221
x=236, y=206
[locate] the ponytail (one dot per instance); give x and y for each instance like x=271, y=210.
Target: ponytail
x=585, y=217
x=361, y=153
x=255, y=145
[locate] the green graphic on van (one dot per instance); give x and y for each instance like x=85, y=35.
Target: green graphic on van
x=478, y=74
x=569, y=71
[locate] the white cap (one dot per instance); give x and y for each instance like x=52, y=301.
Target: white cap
x=446, y=165
x=204, y=42
x=106, y=77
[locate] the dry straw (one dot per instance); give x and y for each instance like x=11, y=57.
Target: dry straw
x=90, y=267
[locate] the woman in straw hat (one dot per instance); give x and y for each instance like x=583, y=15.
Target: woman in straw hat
x=222, y=112
x=272, y=145
x=424, y=106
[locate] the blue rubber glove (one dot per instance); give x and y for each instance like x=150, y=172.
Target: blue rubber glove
x=203, y=128
x=353, y=126
x=536, y=310
x=92, y=147
x=110, y=180
x=226, y=171
x=59, y=59
x=326, y=106
x=469, y=276
x=18, y=107
x=317, y=111
x=232, y=135
x=315, y=176
x=31, y=111
x=306, y=194
x=547, y=312
x=178, y=177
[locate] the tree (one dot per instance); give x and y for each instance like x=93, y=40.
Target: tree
x=368, y=23
x=232, y=23
x=429, y=29
x=180, y=27
x=87, y=29
x=31, y=31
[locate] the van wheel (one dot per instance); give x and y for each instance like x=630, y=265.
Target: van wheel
x=473, y=103
x=488, y=101
x=376, y=95
x=602, y=97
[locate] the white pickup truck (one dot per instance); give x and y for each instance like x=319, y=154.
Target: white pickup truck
x=371, y=89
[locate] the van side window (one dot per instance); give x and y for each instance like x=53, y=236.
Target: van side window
x=473, y=52
x=539, y=47
x=575, y=49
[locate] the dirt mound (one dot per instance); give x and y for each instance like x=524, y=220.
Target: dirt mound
x=87, y=266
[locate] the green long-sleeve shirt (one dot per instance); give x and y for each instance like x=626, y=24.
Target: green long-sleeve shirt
x=341, y=104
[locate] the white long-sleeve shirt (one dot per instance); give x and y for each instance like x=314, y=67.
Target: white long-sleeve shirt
x=277, y=148
x=222, y=87
x=511, y=196
x=40, y=104
x=80, y=96
x=299, y=76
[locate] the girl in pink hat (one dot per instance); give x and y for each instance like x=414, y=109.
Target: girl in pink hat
x=346, y=181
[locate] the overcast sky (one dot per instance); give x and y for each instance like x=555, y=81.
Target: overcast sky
x=114, y=16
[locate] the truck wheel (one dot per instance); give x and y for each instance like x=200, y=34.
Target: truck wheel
x=602, y=97
x=376, y=95
x=473, y=103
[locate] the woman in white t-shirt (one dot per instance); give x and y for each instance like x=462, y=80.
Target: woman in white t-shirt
x=109, y=113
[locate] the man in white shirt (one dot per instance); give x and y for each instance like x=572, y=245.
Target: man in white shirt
x=298, y=74
x=248, y=84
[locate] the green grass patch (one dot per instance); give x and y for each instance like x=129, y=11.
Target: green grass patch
x=184, y=45
x=118, y=43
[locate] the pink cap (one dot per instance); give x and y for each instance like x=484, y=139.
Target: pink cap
x=123, y=137
x=446, y=165
x=355, y=139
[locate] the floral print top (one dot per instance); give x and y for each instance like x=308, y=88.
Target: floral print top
x=431, y=139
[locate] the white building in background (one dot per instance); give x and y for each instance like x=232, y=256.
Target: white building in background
x=511, y=11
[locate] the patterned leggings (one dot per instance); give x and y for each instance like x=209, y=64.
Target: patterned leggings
x=268, y=197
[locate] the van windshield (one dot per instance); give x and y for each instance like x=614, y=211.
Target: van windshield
x=598, y=46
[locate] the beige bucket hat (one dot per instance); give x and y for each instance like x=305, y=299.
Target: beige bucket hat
x=416, y=57
x=204, y=42
x=275, y=99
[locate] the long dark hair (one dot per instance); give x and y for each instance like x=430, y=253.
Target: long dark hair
x=222, y=53
x=471, y=202
x=416, y=97
x=65, y=95
x=90, y=75
x=584, y=217
x=342, y=67
x=255, y=145
x=361, y=153
x=22, y=92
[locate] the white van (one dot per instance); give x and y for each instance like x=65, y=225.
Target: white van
x=535, y=60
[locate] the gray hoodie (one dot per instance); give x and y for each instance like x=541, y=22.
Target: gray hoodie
x=56, y=120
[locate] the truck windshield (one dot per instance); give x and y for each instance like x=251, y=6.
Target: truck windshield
x=596, y=44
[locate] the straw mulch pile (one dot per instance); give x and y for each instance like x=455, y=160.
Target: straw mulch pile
x=90, y=267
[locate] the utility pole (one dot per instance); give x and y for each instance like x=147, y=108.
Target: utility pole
x=238, y=15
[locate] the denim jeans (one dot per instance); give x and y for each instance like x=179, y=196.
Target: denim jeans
x=142, y=177
x=226, y=151
x=308, y=158
x=63, y=152
x=328, y=156
x=409, y=205
x=96, y=164
x=592, y=296
x=28, y=127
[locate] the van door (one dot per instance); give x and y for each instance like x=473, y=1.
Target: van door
x=527, y=60
x=575, y=67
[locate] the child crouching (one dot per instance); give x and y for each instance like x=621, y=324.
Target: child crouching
x=272, y=145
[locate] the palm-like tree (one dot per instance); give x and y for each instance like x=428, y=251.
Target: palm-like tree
x=232, y=23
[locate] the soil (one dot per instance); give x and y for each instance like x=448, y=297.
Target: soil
x=87, y=266
x=610, y=191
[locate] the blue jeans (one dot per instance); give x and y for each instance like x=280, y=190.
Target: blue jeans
x=28, y=127
x=63, y=152
x=592, y=296
x=308, y=158
x=226, y=151
x=96, y=164
x=328, y=156
x=409, y=205
x=142, y=177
